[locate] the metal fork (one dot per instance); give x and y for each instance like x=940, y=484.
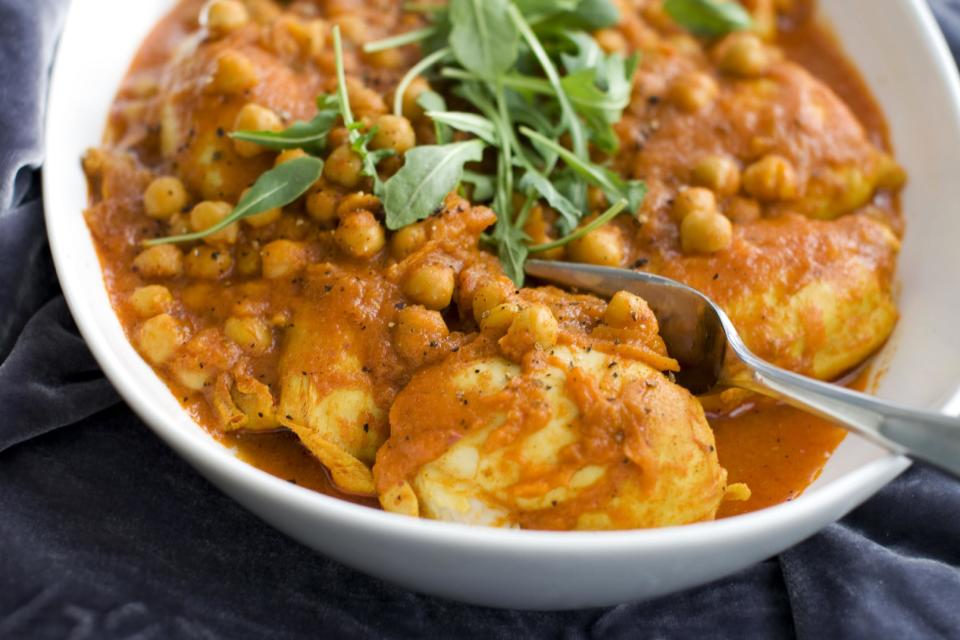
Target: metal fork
x=700, y=336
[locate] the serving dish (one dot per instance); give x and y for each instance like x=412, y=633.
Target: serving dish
x=525, y=569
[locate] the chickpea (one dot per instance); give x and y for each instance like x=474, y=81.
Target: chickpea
x=720, y=174
x=418, y=333
x=360, y=234
x=890, y=175
x=603, y=246
x=612, y=41
x=771, y=178
x=743, y=210
x=385, y=59
x=408, y=240
x=705, y=232
x=263, y=218
x=685, y=45
x=742, y=54
x=253, y=117
x=364, y=101
x=207, y=214
x=164, y=197
x=322, y=206
x=499, y=319
x=283, y=258
x=394, y=133
x=287, y=155
x=162, y=261
x=490, y=295
x=248, y=260
x=430, y=285
x=208, y=263
x=159, y=338
x=411, y=109
x=344, y=167
x=151, y=300
x=358, y=201
x=299, y=37
x=596, y=199
x=693, y=91
x=253, y=334
x=532, y=327
x=223, y=16
x=626, y=310
x=235, y=73
x=693, y=199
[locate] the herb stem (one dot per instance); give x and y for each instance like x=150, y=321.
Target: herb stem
x=400, y=40
x=342, y=96
x=414, y=71
x=596, y=223
x=569, y=114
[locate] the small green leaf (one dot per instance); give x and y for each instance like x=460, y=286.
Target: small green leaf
x=569, y=214
x=433, y=101
x=512, y=249
x=428, y=174
x=612, y=184
x=484, y=186
x=709, y=17
x=278, y=187
x=585, y=15
x=468, y=122
x=484, y=39
x=310, y=136
x=531, y=8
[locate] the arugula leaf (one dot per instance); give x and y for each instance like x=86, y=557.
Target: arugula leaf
x=709, y=17
x=612, y=184
x=278, y=187
x=484, y=39
x=512, y=249
x=484, y=186
x=468, y=122
x=600, y=87
x=536, y=181
x=586, y=15
x=429, y=173
x=433, y=101
x=310, y=136
x=570, y=119
x=531, y=8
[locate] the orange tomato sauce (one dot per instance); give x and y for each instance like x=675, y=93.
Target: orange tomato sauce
x=777, y=450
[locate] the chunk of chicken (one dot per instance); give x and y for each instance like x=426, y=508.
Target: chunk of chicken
x=572, y=439
x=328, y=383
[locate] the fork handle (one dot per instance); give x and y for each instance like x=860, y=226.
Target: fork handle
x=923, y=435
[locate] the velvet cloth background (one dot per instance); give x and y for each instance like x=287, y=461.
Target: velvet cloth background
x=105, y=533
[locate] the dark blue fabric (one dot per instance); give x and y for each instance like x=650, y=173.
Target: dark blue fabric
x=105, y=533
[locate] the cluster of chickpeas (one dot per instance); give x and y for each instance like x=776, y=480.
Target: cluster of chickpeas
x=772, y=178
x=357, y=230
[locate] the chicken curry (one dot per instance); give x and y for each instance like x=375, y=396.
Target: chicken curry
x=313, y=216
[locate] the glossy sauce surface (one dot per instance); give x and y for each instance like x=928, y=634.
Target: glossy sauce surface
x=778, y=451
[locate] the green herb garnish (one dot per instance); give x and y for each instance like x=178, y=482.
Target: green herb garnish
x=529, y=76
x=276, y=188
x=310, y=136
x=710, y=18
x=428, y=174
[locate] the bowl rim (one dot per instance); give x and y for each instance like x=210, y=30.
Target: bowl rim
x=211, y=456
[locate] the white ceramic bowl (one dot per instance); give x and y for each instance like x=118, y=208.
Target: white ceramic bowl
x=904, y=58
